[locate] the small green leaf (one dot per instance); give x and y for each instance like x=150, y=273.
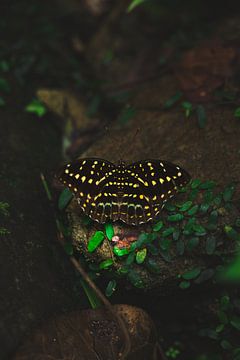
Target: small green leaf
x=126, y=115
x=204, y=276
x=231, y=233
x=184, y=285
x=109, y=230
x=173, y=100
x=111, y=287
x=193, y=194
x=186, y=206
x=195, y=183
x=237, y=112
x=199, y=229
x=235, y=322
x=175, y=217
x=204, y=208
x=228, y=192
x=105, y=264
x=226, y=345
x=134, y=4
x=68, y=248
x=237, y=222
x=152, y=249
x=192, y=243
x=4, y=85
x=2, y=101
x=180, y=246
x=165, y=243
x=224, y=302
x=191, y=274
x=187, y=106
x=135, y=279
x=153, y=266
x=130, y=259
x=176, y=234
x=212, y=220
x=95, y=240
x=64, y=198
x=210, y=245
x=168, y=231
x=36, y=107
x=121, y=252
x=141, y=255
x=193, y=210
x=158, y=226
x=201, y=116
x=207, y=185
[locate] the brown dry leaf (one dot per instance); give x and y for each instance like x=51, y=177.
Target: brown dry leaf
x=94, y=335
x=204, y=69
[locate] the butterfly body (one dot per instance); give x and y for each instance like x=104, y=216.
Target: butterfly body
x=132, y=193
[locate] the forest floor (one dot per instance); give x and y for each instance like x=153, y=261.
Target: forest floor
x=188, y=71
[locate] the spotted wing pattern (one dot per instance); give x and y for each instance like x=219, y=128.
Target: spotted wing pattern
x=133, y=194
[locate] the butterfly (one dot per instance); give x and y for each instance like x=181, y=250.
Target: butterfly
x=133, y=193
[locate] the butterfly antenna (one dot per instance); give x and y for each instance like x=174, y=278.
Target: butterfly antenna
x=127, y=149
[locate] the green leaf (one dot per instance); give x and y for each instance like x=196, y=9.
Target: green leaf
x=231, y=233
x=199, y=229
x=64, y=198
x=105, y=264
x=158, y=226
x=93, y=106
x=135, y=279
x=130, y=259
x=134, y=4
x=126, y=115
x=2, y=101
x=109, y=230
x=152, y=249
x=237, y=222
x=170, y=207
x=176, y=234
x=225, y=302
x=184, y=285
x=192, y=243
x=121, y=252
x=207, y=185
x=111, y=287
x=187, y=106
x=175, y=217
x=205, y=276
x=228, y=192
x=68, y=248
x=193, y=194
x=212, y=220
x=36, y=107
x=201, y=116
x=173, y=100
x=95, y=240
x=4, y=85
x=180, y=246
x=165, y=243
x=193, y=210
x=235, y=322
x=225, y=344
x=204, y=208
x=195, y=183
x=222, y=317
x=191, y=274
x=168, y=231
x=237, y=112
x=186, y=206
x=141, y=255
x=153, y=266
x=210, y=245
x=4, y=66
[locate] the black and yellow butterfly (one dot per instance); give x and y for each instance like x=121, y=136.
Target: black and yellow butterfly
x=132, y=193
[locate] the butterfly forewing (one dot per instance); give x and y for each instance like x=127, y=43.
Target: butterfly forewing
x=134, y=194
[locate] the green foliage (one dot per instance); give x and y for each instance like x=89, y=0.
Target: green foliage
x=106, y=264
x=95, y=240
x=172, y=100
x=4, y=86
x=64, y=198
x=188, y=107
x=201, y=116
x=133, y=4
x=109, y=230
x=126, y=115
x=36, y=107
x=111, y=287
